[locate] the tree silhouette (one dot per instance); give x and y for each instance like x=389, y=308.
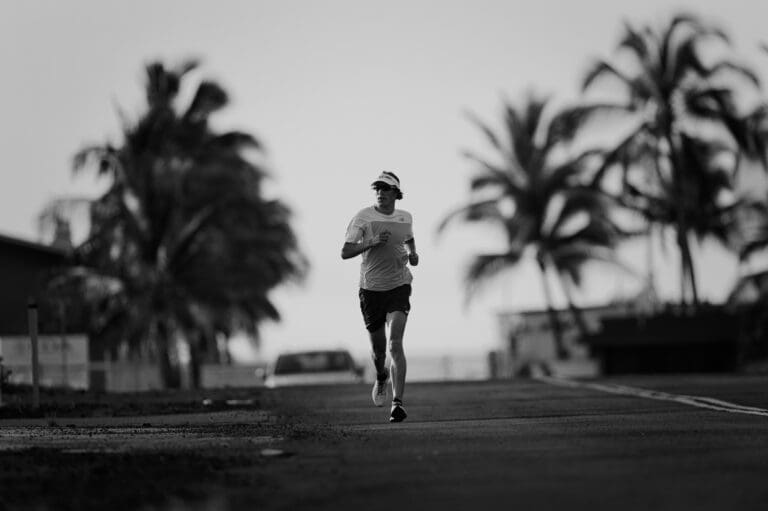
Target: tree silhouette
x=182, y=245
x=539, y=202
x=678, y=160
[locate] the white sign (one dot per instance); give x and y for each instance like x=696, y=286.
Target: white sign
x=51, y=349
x=62, y=360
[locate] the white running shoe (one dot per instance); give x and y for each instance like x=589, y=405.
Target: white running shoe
x=379, y=392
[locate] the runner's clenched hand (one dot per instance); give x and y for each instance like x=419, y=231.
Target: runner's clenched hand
x=380, y=239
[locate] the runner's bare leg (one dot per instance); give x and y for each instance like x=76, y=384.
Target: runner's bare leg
x=397, y=322
x=379, y=350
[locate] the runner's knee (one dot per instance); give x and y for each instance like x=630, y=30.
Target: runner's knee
x=396, y=347
x=379, y=352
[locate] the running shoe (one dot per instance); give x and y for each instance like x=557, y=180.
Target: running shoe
x=379, y=392
x=398, y=412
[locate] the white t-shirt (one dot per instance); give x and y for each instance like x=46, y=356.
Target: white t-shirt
x=384, y=267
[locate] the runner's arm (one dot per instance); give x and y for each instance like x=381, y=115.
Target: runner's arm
x=413, y=257
x=350, y=250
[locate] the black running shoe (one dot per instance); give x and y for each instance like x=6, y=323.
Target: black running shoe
x=398, y=413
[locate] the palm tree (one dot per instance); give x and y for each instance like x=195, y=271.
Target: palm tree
x=752, y=234
x=182, y=245
x=751, y=130
x=539, y=203
x=683, y=111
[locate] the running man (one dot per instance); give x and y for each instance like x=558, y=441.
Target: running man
x=384, y=237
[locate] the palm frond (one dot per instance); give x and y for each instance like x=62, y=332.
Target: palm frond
x=490, y=175
x=571, y=173
x=209, y=97
x=234, y=141
x=684, y=59
x=753, y=246
x=60, y=209
x=533, y=115
x=487, y=131
x=711, y=103
x=91, y=284
x=162, y=86
x=566, y=123
x=666, y=48
x=186, y=65
x=580, y=200
x=570, y=258
x=635, y=42
x=751, y=134
x=125, y=121
x=616, y=156
x=187, y=233
x=485, y=266
x=602, y=69
x=735, y=69
x=473, y=212
x=104, y=157
x=521, y=130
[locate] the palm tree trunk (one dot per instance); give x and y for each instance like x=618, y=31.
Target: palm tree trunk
x=649, y=260
x=557, y=333
x=683, y=273
x=169, y=372
x=687, y=278
x=578, y=318
x=196, y=361
x=692, y=275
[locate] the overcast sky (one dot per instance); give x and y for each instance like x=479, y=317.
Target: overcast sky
x=337, y=91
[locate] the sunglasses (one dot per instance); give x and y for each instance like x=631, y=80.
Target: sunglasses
x=383, y=187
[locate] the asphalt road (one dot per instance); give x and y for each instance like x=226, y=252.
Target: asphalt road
x=542, y=446
x=673, y=442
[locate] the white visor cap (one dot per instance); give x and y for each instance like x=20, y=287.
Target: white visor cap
x=389, y=179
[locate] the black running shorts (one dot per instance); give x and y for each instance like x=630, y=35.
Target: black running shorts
x=375, y=305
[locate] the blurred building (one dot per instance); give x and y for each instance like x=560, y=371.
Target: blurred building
x=25, y=267
x=637, y=336
x=527, y=346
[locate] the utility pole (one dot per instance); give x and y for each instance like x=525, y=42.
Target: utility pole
x=64, y=344
x=32, y=322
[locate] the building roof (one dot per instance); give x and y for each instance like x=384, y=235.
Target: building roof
x=31, y=245
x=24, y=268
